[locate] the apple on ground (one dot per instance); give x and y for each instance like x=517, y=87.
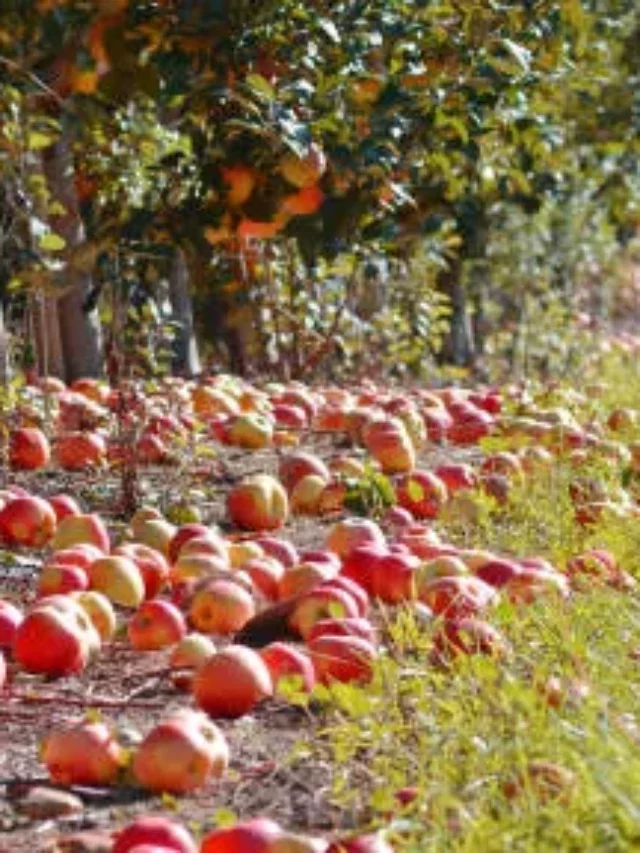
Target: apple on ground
x=221, y=607
x=181, y=753
x=119, y=578
x=232, y=682
x=155, y=625
x=286, y=661
x=155, y=830
x=84, y=753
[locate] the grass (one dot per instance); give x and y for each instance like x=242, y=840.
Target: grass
x=464, y=736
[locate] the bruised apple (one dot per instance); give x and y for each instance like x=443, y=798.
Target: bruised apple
x=181, y=753
x=84, y=753
x=232, y=682
x=258, y=503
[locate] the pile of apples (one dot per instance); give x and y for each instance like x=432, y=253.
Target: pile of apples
x=241, y=616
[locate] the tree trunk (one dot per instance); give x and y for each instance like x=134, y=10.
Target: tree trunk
x=48, y=341
x=79, y=329
x=186, y=358
x=458, y=346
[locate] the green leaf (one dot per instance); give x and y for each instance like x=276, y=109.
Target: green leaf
x=36, y=140
x=52, y=242
x=261, y=86
x=224, y=818
x=415, y=491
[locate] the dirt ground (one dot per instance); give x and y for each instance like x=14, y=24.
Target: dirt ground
x=263, y=779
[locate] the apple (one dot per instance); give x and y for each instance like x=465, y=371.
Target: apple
x=76, y=451
x=84, y=753
x=151, y=450
x=396, y=518
x=251, y=430
x=347, y=626
x=360, y=844
x=189, y=654
x=419, y=539
x=497, y=572
x=357, y=592
x=438, y=422
x=346, y=535
x=232, y=682
x=158, y=831
x=252, y=836
x=470, y=424
x=183, y=534
x=63, y=506
x=295, y=466
x=305, y=496
x=284, y=660
x=62, y=578
x=51, y=642
x=181, y=753
x=390, y=444
x=281, y=549
x=457, y=597
x=530, y=584
x=266, y=574
x=422, y=493
x=10, y=617
x=291, y=842
x=360, y=563
x=303, y=578
x=27, y=521
x=259, y=502
x=198, y=566
x=156, y=533
x=504, y=463
x=239, y=552
x=153, y=566
x=321, y=603
x=287, y=415
x=156, y=624
x=345, y=659
x=100, y=611
x=469, y=636
x=221, y=607
x=393, y=577
x=85, y=529
x=210, y=544
x=119, y=579
x=141, y=516
x=456, y=476
x=28, y=449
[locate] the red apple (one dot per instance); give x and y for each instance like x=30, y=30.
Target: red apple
x=221, y=607
x=181, y=753
x=258, y=503
x=232, y=682
x=456, y=476
x=497, y=572
x=354, y=626
x=457, y=597
x=294, y=466
x=156, y=625
x=50, y=642
x=76, y=451
x=286, y=661
x=64, y=505
x=183, y=534
x=252, y=836
x=393, y=577
x=29, y=449
x=158, y=831
x=357, y=592
x=10, y=617
x=28, y=521
x=62, y=578
x=342, y=658
x=360, y=564
x=321, y=603
x=281, y=549
x=346, y=535
x=469, y=636
x=84, y=753
x=422, y=493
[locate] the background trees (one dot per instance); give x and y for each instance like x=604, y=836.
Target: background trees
x=488, y=151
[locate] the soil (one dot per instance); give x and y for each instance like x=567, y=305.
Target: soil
x=130, y=688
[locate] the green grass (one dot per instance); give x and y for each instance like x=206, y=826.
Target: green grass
x=460, y=734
